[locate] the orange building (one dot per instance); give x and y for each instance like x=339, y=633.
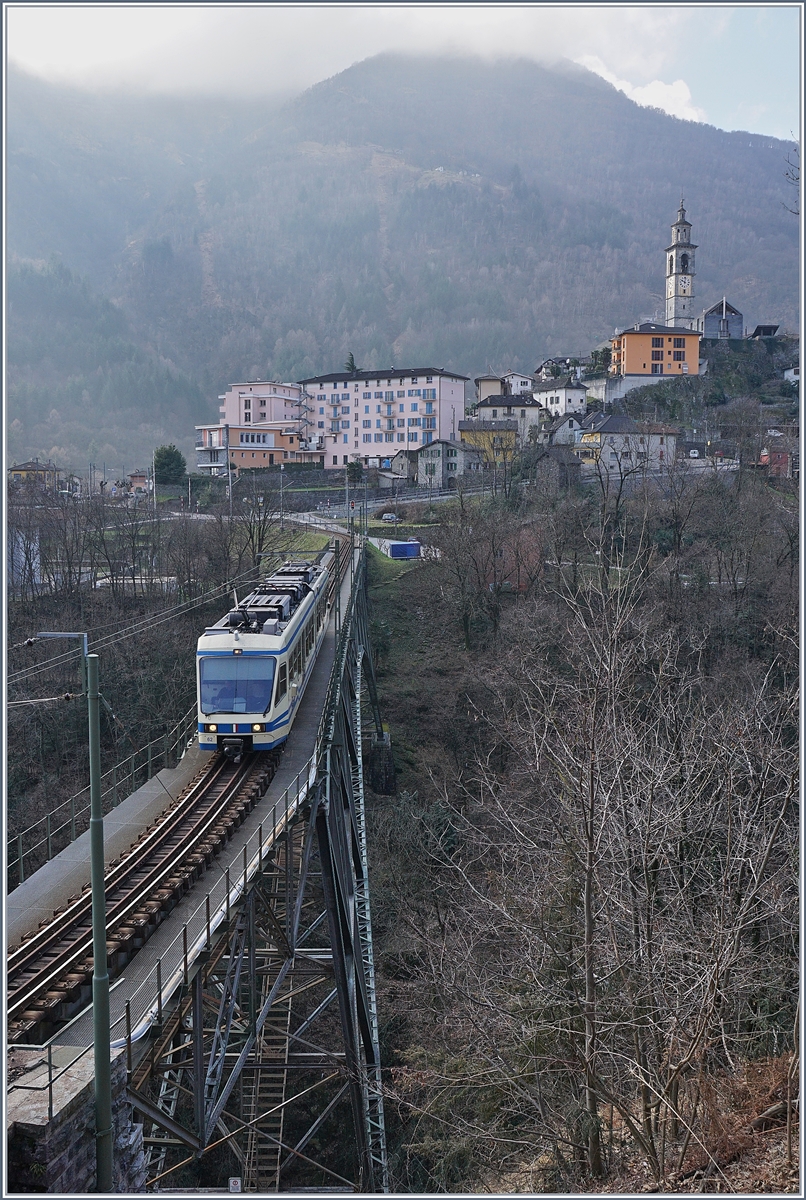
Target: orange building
x=655, y=350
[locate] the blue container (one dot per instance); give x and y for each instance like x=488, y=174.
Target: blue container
x=404, y=549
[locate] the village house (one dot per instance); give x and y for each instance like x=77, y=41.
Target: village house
x=140, y=481
x=516, y=384
x=496, y=439
x=617, y=444
x=488, y=385
x=367, y=414
x=566, y=394
x=557, y=468
x=780, y=455
x=440, y=464
x=562, y=431
x=524, y=409
x=45, y=475
x=511, y=383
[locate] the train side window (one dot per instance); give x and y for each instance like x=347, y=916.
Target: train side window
x=282, y=683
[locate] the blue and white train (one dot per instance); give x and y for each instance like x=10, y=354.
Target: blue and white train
x=253, y=665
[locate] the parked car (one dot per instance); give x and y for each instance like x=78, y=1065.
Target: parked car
x=390, y=518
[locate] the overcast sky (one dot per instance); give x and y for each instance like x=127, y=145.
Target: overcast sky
x=737, y=67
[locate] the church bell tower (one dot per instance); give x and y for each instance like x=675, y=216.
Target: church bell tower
x=680, y=275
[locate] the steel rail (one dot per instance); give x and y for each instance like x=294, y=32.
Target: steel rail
x=138, y=883
x=116, y=871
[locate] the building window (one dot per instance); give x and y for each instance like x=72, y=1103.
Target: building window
x=320, y=424
x=366, y=424
x=345, y=424
x=429, y=379
x=379, y=395
x=401, y=437
x=657, y=368
x=679, y=343
x=377, y=408
x=321, y=412
x=429, y=408
x=657, y=341
x=389, y=396
x=389, y=437
x=345, y=438
x=366, y=395
x=523, y=412
x=657, y=356
x=414, y=406
x=679, y=355
x=427, y=437
x=346, y=409
x=335, y=460
x=367, y=437
x=378, y=437
x=400, y=394
x=414, y=378
x=413, y=437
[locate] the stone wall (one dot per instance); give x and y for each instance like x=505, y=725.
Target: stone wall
x=57, y=1154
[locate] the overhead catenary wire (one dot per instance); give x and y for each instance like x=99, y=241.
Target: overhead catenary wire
x=120, y=635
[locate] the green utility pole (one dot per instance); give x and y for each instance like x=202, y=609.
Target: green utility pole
x=100, y=974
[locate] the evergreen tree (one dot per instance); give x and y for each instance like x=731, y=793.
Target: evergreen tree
x=169, y=465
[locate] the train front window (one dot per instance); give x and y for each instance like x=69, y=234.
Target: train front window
x=236, y=685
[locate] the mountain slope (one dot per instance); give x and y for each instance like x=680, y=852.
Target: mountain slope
x=445, y=210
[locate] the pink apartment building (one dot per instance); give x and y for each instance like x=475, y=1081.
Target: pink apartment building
x=372, y=414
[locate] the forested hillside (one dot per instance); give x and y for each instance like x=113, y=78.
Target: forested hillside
x=585, y=891
x=448, y=211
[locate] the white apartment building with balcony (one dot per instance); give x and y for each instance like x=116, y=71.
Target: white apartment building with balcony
x=261, y=424
x=371, y=415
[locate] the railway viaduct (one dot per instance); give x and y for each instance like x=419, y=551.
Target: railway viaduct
x=243, y=1013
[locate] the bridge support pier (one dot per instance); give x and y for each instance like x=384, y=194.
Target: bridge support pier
x=381, y=766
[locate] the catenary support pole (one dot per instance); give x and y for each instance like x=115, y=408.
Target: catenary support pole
x=100, y=974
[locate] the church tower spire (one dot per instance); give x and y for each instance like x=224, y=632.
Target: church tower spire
x=680, y=274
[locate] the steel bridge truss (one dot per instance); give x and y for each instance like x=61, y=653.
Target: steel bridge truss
x=271, y=1044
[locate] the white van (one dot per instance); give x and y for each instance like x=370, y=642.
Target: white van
x=389, y=518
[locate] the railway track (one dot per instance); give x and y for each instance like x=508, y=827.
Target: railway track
x=49, y=974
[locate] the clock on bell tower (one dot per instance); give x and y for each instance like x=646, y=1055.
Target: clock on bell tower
x=680, y=274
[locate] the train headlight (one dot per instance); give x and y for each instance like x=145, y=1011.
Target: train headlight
x=258, y=728
x=238, y=651
x=211, y=728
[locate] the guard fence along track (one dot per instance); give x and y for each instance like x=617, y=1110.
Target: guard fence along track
x=50, y=972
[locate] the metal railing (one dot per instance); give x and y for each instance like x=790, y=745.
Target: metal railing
x=148, y=1003
x=45, y=838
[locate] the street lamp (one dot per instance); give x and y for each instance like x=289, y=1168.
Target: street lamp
x=282, y=476
x=100, y=974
